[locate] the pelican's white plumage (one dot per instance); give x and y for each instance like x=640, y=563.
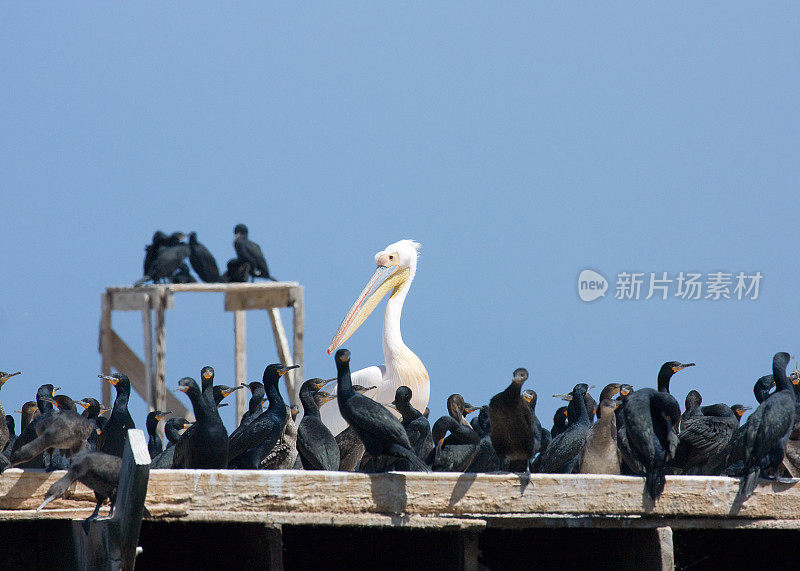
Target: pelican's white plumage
x=397, y=266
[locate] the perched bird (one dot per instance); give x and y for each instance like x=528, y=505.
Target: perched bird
x=30, y=410
x=4, y=433
x=64, y=429
x=416, y=425
x=12, y=435
x=703, y=435
x=223, y=391
x=692, y=406
x=168, y=259
x=768, y=429
x=113, y=435
x=530, y=396
x=206, y=444
x=250, y=252
x=172, y=430
x=96, y=470
x=150, y=251
x=284, y=455
x=257, y=397
x=459, y=454
x=203, y=263
x=563, y=454
x=252, y=444
x=486, y=460
x=37, y=425
x=154, y=444
x=237, y=271
x=458, y=408
x=559, y=421
x=511, y=423
x=395, y=272
x=378, y=429
x=649, y=436
x=315, y=443
x=600, y=454
x=182, y=275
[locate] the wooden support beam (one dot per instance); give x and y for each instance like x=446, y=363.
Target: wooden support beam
x=283, y=350
x=105, y=347
x=298, y=319
x=240, y=355
x=149, y=371
x=123, y=359
x=161, y=352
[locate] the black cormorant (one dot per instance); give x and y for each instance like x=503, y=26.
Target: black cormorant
x=252, y=444
x=315, y=443
x=205, y=445
x=563, y=453
x=767, y=430
x=115, y=432
x=649, y=436
x=511, y=424
x=250, y=252
x=381, y=433
x=459, y=454
x=203, y=263
x=154, y=444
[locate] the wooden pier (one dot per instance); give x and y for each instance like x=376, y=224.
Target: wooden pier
x=299, y=520
x=147, y=375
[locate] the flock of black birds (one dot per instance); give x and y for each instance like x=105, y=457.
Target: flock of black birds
x=637, y=432
x=165, y=259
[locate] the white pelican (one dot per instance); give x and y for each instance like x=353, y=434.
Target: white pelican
x=397, y=265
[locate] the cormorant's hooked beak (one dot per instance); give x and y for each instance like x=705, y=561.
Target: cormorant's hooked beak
x=566, y=397
x=320, y=384
x=84, y=404
x=328, y=399
x=469, y=408
x=677, y=368
x=5, y=376
x=283, y=370
x=110, y=379
x=50, y=400
x=220, y=405
x=183, y=389
x=384, y=280
x=229, y=391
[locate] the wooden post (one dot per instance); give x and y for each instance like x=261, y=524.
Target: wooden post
x=283, y=348
x=298, y=314
x=105, y=347
x=112, y=542
x=240, y=348
x=161, y=351
x=149, y=372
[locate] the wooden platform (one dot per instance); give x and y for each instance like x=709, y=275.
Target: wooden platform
x=147, y=374
x=474, y=516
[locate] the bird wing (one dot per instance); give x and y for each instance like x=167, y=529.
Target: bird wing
x=704, y=435
x=251, y=252
x=775, y=421
x=367, y=377
x=253, y=435
x=317, y=444
x=562, y=449
x=378, y=420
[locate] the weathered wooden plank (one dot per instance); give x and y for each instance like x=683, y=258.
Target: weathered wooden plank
x=124, y=360
x=179, y=493
x=105, y=347
x=283, y=352
x=298, y=319
x=240, y=362
x=149, y=371
x=257, y=299
x=203, y=287
x=161, y=398
x=131, y=494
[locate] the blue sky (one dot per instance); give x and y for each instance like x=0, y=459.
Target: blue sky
x=519, y=143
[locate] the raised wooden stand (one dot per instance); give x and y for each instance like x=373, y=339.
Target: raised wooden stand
x=148, y=376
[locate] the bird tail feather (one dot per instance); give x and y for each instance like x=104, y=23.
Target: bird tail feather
x=654, y=481
x=749, y=483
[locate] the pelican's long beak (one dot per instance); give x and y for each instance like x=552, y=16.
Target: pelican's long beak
x=385, y=279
